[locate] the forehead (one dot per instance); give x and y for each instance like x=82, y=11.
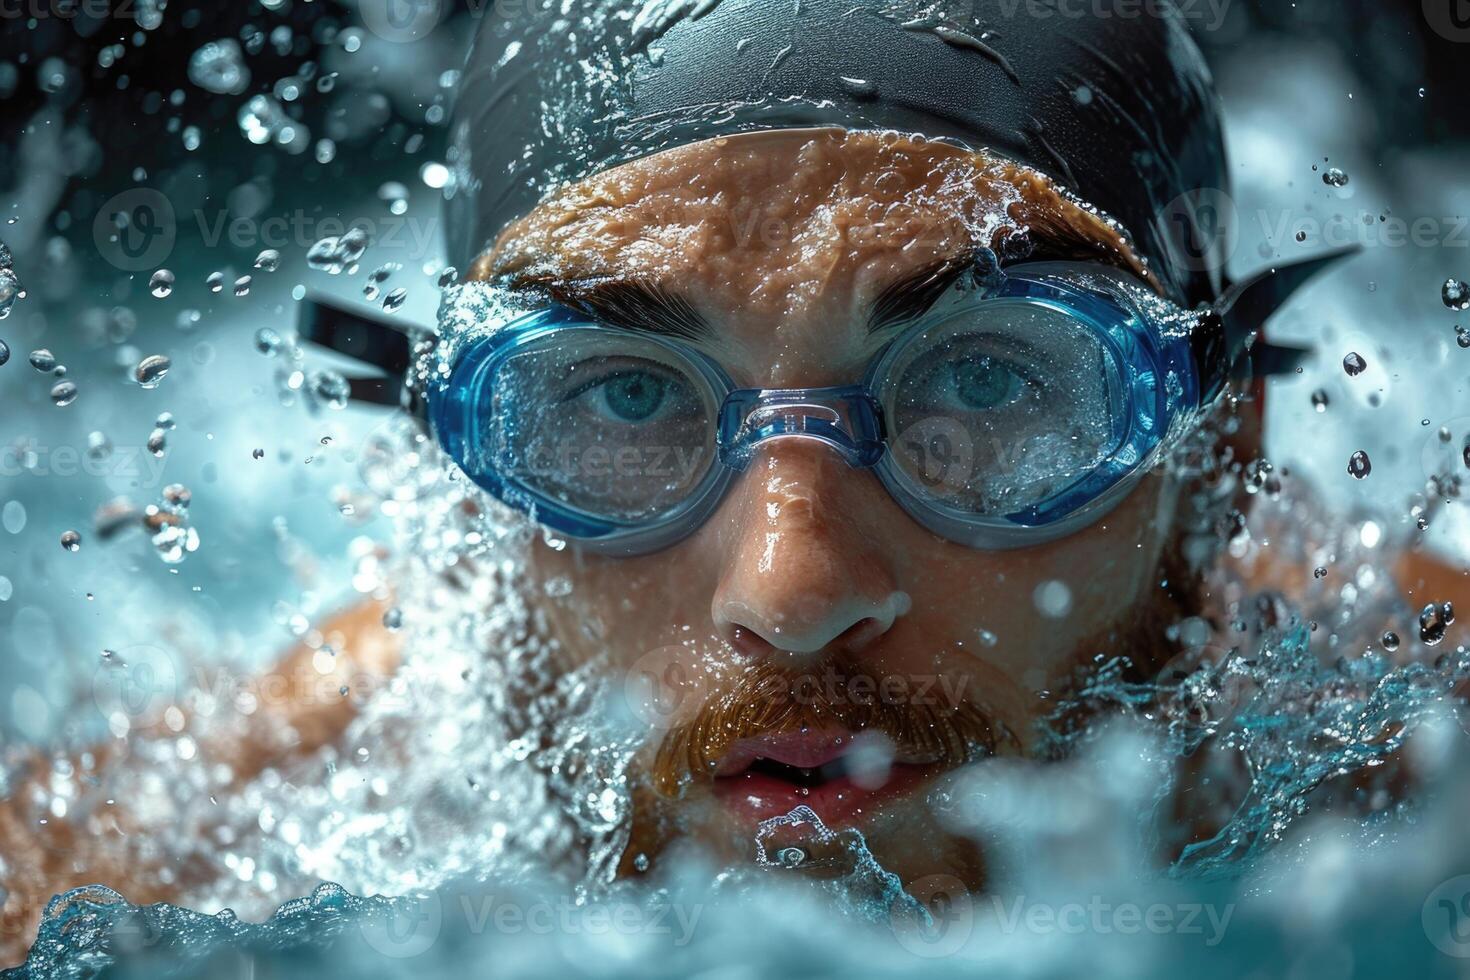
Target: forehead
x=782, y=223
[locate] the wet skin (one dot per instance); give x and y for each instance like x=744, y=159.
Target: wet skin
x=782, y=242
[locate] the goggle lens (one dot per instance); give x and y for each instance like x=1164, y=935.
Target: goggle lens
x=1000, y=408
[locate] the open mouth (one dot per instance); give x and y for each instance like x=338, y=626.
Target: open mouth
x=842, y=778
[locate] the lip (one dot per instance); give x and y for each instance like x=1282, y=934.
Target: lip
x=752, y=795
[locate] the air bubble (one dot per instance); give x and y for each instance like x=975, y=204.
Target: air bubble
x=1335, y=177
x=1359, y=466
x=63, y=393
x=161, y=284
x=43, y=360
x=268, y=342
x=1354, y=364
x=1434, y=621
x=1456, y=294
x=151, y=370
x=268, y=260
x=215, y=281
x=1319, y=400
x=393, y=302
x=71, y=541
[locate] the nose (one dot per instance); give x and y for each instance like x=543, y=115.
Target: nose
x=802, y=576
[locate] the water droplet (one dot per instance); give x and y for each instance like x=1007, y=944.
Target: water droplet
x=219, y=67
x=1462, y=337
x=1334, y=177
x=448, y=277
x=158, y=442
x=151, y=370
x=161, y=284
x=1456, y=294
x=1319, y=400
x=4, y=353
x=331, y=388
x=43, y=360
x=1354, y=364
x=393, y=618
x=1319, y=572
x=257, y=453
x=334, y=254
x=1434, y=621
x=1390, y=641
x=10, y=291
x=215, y=281
x=99, y=447
x=393, y=302
x=63, y=393
x=268, y=342
x=1053, y=598
x=1359, y=466
x=71, y=541
x=268, y=260
x=641, y=862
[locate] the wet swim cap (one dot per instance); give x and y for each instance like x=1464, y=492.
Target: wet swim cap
x=1118, y=109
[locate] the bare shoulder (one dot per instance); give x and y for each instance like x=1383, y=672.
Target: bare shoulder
x=302, y=704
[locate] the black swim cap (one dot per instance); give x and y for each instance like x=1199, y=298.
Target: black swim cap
x=1114, y=102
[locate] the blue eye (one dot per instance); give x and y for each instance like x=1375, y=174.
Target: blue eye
x=981, y=383
x=631, y=396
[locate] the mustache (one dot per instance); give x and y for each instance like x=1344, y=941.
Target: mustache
x=924, y=718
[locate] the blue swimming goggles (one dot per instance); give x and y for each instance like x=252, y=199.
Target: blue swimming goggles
x=1012, y=413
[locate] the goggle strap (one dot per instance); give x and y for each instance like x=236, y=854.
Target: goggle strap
x=1225, y=350
x=1247, y=305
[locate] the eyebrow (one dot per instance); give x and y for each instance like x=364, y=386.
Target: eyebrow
x=647, y=306
x=909, y=298
x=631, y=304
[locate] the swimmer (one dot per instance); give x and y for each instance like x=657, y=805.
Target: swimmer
x=842, y=353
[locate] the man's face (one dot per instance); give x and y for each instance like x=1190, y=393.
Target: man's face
x=811, y=643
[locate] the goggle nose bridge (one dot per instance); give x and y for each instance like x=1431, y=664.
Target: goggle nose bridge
x=846, y=418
